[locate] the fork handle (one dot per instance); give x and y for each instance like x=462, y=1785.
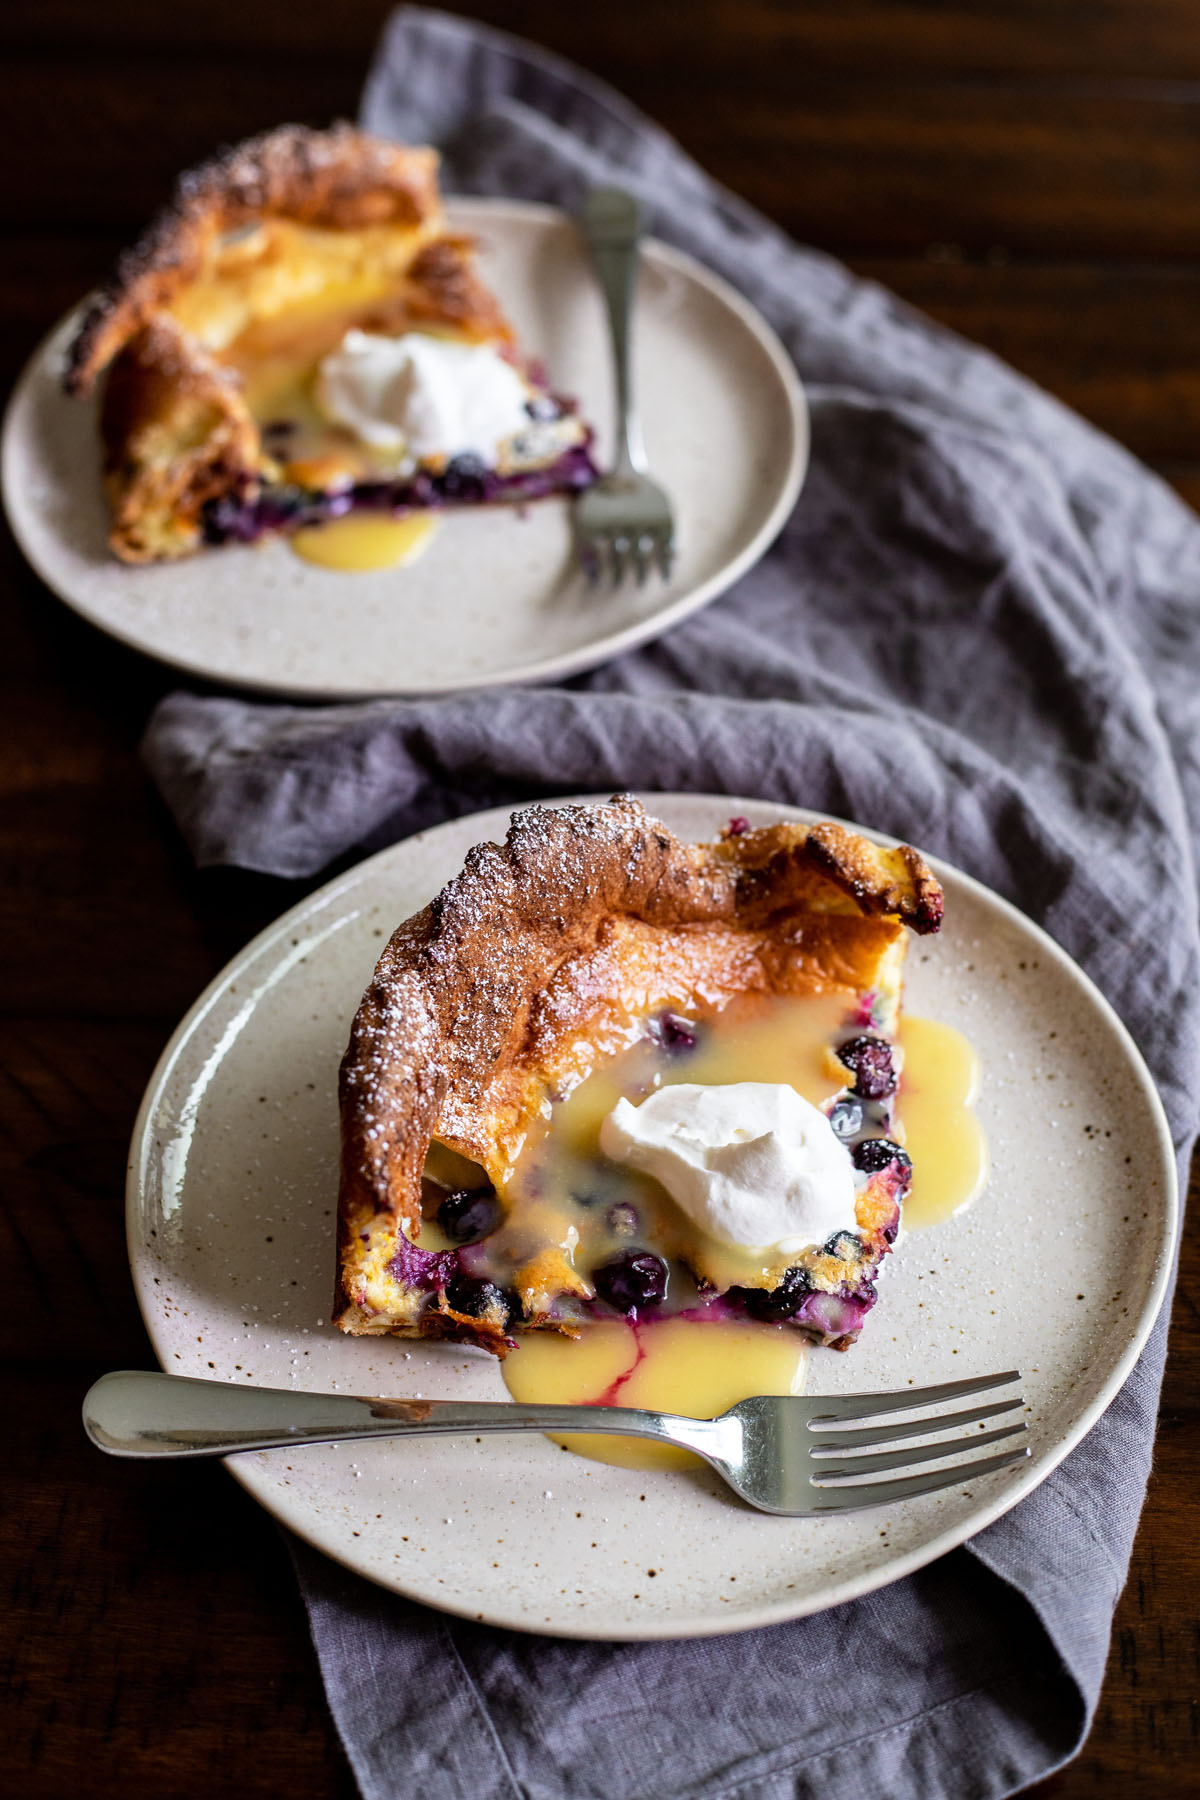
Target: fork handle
x=142, y=1413
x=612, y=227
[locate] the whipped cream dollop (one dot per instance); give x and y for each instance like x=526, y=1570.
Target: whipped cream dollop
x=752, y=1164
x=423, y=395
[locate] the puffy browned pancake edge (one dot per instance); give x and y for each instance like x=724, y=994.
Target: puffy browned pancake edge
x=342, y=179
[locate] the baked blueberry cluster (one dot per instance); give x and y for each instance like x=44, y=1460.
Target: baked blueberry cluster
x=465, y=481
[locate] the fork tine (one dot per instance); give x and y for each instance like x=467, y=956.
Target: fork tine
x=664, y=552
x=912, y=1487
x=870, y=1406
x=827, y=1469
x=620, y=557
x=588, y=552
x=643, y=549
x=836, y=1438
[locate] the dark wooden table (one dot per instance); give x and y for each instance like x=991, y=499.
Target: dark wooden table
x=1029, y=172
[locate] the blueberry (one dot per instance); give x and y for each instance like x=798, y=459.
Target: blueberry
x=870, y=1058
x=542, y=409
x=634, y=1279
x=878, y=1153
x=845, y=1246
x=782, y=1302
x=471, y=1297
x=621, y=1219
x=464, y=476
x=373, y=496
x=230, y=519
x=846, y=1117
x=468, y=1214
x=280, y=505
x=673, y=1032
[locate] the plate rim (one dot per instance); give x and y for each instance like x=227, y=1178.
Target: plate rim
x=837, y=1593
x=551, y=668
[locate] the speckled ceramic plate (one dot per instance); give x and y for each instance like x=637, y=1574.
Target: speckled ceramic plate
x=496, y=596
x=232, y=1188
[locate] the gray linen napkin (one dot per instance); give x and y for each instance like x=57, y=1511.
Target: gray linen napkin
x=979, y=631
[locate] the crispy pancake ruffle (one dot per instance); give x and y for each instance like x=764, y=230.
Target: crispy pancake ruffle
x=340, y=180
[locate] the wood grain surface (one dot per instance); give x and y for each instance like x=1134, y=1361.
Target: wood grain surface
x=1026, y=171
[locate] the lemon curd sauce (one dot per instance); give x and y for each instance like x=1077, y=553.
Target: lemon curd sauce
x=362, y=541
x=936, y=1123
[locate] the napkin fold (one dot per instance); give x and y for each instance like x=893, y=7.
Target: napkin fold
x=979, y=632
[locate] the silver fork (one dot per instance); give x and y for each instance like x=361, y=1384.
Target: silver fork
x=623, y=522
x=793, y=1456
